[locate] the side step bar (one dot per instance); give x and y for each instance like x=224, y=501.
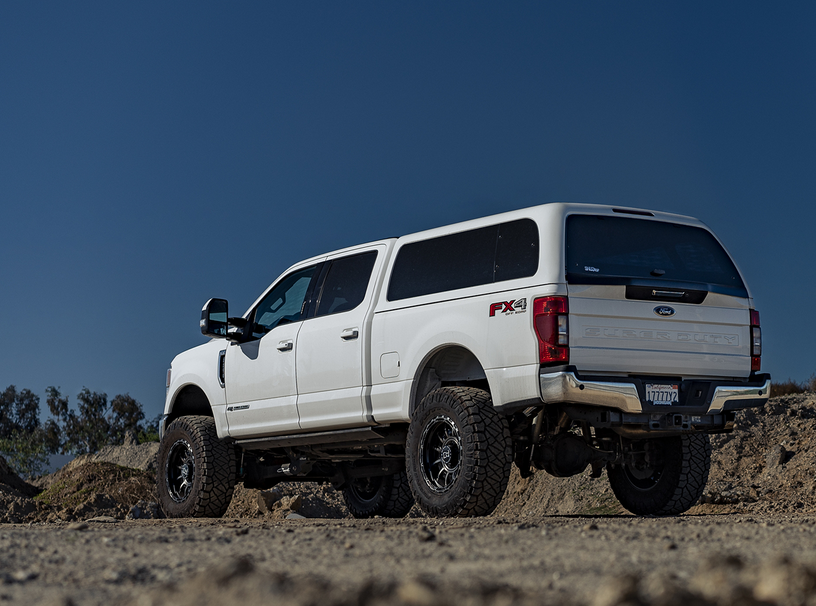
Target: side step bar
x=363, y=436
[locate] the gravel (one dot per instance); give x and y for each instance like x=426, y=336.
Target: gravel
x=589, y=561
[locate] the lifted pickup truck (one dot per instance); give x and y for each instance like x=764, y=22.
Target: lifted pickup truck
x=420, y=369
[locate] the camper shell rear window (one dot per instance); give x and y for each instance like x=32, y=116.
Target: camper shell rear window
x=643, y=252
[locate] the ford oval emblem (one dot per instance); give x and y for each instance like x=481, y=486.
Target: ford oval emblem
x=664, y=311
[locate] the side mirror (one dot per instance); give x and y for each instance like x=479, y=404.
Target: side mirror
x=214, y=318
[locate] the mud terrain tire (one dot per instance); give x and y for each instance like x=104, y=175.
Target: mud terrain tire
x=674, y=486
x=458, y=453
x=196, y=472
x=387, y=496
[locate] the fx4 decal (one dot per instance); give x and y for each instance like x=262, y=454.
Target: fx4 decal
x=509, y=308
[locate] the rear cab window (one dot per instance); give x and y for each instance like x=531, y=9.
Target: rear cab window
x=346, y=282
x=644, y=253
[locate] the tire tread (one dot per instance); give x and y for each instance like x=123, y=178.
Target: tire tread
x=216, y=463
x=486, y=435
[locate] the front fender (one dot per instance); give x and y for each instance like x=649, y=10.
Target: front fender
x=198, y=367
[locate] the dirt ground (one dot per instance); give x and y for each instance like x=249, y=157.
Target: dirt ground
x=565, y=560
x=85, y=535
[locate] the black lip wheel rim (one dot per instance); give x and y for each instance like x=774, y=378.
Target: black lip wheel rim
x=180, y=471
x=440, y=453
x=644, y=483
x=366, y=489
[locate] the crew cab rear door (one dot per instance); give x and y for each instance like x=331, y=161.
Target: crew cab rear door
x=651, y=297
x=333, y=342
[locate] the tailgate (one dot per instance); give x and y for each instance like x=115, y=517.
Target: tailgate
x=609, y=333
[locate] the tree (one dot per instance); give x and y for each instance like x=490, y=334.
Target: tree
x=19, y=411
x=96, y=423
x=23, y=442
x=26, y=443
x=126, y=415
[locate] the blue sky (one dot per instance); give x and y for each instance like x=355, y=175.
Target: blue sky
x=154, y=155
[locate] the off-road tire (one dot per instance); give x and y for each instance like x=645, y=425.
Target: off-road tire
x=473, y=481
x=206, y=490
x=675, y=487
x=387, y=496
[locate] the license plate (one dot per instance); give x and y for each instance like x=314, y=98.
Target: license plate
x=662, y=395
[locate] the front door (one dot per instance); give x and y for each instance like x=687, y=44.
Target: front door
x=259, y=374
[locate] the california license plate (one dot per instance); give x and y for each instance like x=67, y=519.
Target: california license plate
x=660, y=394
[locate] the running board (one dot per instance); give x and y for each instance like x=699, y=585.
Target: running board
x=382, y=434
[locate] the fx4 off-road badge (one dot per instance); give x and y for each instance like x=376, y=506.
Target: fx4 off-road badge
x=508, y=308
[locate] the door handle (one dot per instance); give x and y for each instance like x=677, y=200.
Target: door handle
x=349, y=334
x=285, y=345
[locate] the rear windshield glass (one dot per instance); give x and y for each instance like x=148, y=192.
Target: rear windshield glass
x=471, y=258
x=618, y=250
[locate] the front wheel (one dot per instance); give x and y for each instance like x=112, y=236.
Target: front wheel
x=671, y=482
x=195, y=474
x=388, y=496
x=458, y=453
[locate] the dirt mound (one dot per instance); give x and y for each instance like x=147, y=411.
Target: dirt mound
x=130, y=454
x=97, y=488
x=16, y=502
x=12, y=484
x=79, y=492
x=137, y=456
x=543, y=494
x=766, y=465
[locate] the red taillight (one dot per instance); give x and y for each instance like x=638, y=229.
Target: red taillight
x=756, y=342
x=552, y=329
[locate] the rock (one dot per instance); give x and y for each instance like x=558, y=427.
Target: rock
x=617, y=591
x=295, y=516
x=145, y=510
x=103, y=520
x=267, y=498
x=775, y=456
x=21, y=576
x=425, y=534
x=130, y=438
x=416, y=593
x=114, y=576
x=78, y=526
x=292, y=503
x=782, y=581
x=664, y=592
x=230, y=570
x=720, y=580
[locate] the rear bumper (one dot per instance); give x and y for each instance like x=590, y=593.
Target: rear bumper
x=567, y=387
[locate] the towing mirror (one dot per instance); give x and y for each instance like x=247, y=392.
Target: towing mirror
x=214, y=318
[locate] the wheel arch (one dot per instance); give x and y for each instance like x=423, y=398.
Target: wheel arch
x=449, y=364
x=189, y=400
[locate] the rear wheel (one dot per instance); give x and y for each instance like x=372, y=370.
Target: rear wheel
x=672, y=481
x=195, y=473
x=458, y=453
x=388, y=496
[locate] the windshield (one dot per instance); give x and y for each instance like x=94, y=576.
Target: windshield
x=619, y=250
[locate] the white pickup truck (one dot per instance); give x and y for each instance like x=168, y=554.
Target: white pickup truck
x=420, y=369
